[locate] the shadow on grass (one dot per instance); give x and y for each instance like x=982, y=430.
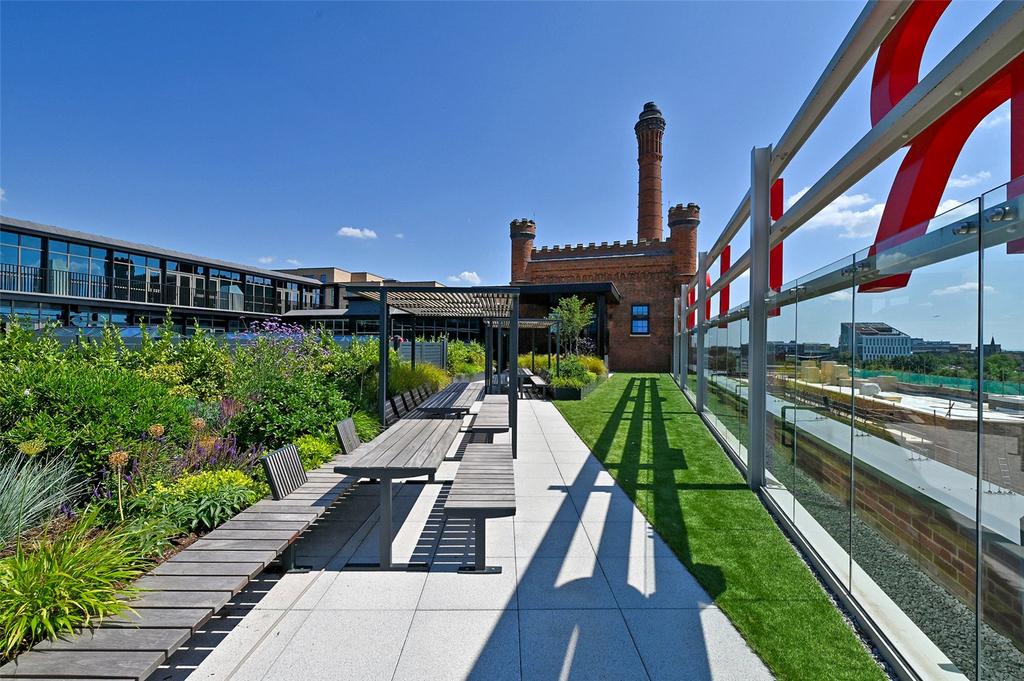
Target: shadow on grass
x=641, y=404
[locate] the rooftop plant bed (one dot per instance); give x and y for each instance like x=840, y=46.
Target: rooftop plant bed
x=112, y=459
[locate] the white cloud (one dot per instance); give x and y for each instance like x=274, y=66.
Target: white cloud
x=465, y=278
x=293, y=261
x=997, y=118
x=947, y=205
x=843, y=296
x=3, y=194
x=265, y=260
x=399, y=235
x=357, y=233
x=965, y=287
x=853, y=215
x=965, y=181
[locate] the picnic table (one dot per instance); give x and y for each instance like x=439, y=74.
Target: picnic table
x=411, y=448
x=455, y=398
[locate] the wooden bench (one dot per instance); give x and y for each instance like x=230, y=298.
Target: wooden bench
x=183, y=593
x=484, y=488
x=493, y=415
x=455, y=398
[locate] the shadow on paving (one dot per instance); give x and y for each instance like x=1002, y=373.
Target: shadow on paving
x=573, y=630
x=334, y=528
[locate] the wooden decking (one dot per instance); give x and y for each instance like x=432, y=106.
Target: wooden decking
x=183, y=593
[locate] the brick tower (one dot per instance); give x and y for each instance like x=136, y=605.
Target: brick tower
x=649, y=131
x=522, y=232
x=682, y=224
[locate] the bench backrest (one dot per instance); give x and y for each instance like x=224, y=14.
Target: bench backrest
x=423, y=392
x=409, y=399
x=390, y=416
x=284, y=471
x=399, y=406
x=348, y=438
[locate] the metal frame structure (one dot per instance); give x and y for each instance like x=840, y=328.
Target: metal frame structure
x=477, y=302
x=984, y=55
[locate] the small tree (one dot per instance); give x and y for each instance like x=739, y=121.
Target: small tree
x=573, y=314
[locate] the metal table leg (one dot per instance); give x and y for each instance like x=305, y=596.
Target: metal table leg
x=386, y=518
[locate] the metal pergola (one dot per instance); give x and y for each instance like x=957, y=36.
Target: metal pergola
x=494, y=304
x=501, y=327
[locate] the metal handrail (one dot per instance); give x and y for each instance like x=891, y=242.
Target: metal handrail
x=993, y=43
x=25, y=279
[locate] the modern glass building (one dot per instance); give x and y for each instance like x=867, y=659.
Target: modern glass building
x=79, y=280
x=51, y=274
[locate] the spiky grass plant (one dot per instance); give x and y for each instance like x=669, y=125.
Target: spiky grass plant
x=64, y=582
x=32, y=492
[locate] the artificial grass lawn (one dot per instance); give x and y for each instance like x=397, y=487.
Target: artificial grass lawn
x=650, y=439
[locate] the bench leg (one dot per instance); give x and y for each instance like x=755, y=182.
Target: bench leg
x=288, y=561
x=480, y=566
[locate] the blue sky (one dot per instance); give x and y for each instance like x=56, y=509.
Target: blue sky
x=293, y=132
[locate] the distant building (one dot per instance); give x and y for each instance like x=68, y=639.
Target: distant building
x=77, y=280
x=920, y=346
x=868, y=341
x=792, y=350
x=992, y=348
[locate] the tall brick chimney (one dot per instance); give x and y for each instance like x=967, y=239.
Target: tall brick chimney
x=649, y=131
x=682, y=224
x=522, y=232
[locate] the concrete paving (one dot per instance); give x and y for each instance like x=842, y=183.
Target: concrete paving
x=587, y=591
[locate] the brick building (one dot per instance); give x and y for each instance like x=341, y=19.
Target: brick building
x=632, y=283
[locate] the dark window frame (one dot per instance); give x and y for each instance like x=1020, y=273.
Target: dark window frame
x=640, y=319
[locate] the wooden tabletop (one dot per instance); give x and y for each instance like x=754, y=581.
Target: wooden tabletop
x=456, y=397
x=410, y=448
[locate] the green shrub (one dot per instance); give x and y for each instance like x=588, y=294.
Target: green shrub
x=31, y=492
x=197, y=502
x=465, y=358
x=402, y=377
x=576, y=382
x=315, y=451
x=573, y=373
x=367, y=425
x=84, y=411
x=65, y=582
x=595, y=365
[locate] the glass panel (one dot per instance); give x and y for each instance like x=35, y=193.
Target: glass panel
x=31, y=242
x=1002, y=465
x=79, y=249
x=780, y=355
x=915, y=443
x=8, y=238
x=57, y=246
x=820, y=403
x=9, y=255
x=31, y=258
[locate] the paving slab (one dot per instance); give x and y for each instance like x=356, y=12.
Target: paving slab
x=476, y=645
x=578, y=644
x=568, y=582
x=373, y=590
x=447, y=589
x=356, y=645
x=693, y=644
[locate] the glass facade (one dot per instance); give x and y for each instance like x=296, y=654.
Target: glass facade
x=30, y=263
x=903, y=469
